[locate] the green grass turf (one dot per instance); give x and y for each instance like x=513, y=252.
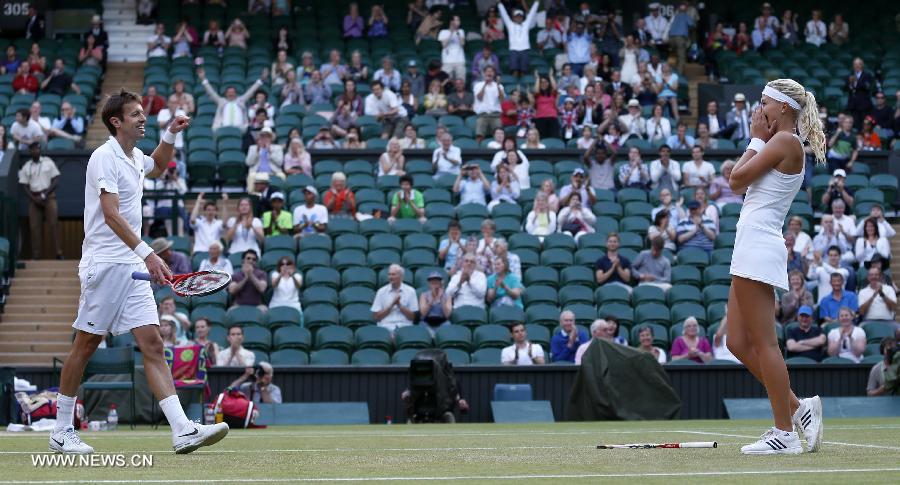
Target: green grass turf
x=855, y=451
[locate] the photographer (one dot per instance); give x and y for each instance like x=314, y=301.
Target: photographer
x=837, y=190
x=256, y=383
x=879, y=383
x=323, y=140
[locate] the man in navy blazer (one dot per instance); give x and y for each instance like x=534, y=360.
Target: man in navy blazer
x=714, y=120
x=860, y=86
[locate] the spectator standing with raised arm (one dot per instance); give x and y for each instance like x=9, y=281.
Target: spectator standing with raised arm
x=679, y=32
x=385, y=106
x=453, y=58
x=230, y=108
x=488, y=96
x=245, y=231
x=209, y=228
x=518, y=28
x=471, y=185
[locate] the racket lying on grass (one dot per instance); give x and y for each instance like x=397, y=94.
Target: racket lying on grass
x=201, y=283
x=690, y=444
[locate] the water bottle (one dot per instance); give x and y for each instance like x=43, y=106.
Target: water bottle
x=112, y=419
x=209, y=414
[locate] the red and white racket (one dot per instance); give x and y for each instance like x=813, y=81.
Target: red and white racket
x=690, y=444
x=201, y=283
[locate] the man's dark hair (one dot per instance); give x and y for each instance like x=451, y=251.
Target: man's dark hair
x=836, y=274
x=406, y=178
x=24, y=112
x=512, y=326
x=665, y=147
x=249, y=251
x=209, y=203
x=645, y=329
x=886, y=343
x=376, y=83
x=234, y=325
x=699, y=148
x=835, y=248
x=452, y=224
x=115, y=108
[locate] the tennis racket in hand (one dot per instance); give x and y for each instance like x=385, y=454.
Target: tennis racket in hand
x=201, y=283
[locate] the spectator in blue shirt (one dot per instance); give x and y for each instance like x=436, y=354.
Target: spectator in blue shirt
x=830, y=306
x=567, y=339
x=679, y=30
x=696, y=231
x=578, y=48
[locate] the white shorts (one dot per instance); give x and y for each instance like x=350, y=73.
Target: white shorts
x=112, y=302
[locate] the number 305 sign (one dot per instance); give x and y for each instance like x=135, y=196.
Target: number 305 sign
x=14, y=14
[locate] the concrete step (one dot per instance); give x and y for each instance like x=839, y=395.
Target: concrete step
x=70, y=299
x=47, y=273
x=30, y=313
x=24, y=289
x=50, y=263
x=30, y=358
x=38, y=326
x=46, y=334
x=54, y=347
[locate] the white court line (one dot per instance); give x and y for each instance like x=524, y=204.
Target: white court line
x=858, y=445
x=479, y=477
x=243, y=434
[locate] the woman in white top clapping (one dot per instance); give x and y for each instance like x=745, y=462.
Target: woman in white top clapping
x=504, y=188
x=541, y=221
x=244, y=231
x=286, y=284
x=392, y=161
x=871, y=243
x=658, y=126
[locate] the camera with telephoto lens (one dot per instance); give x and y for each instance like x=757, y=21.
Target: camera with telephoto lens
x=257, y=373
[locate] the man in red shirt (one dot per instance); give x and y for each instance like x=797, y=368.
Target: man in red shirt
x=152, y=102
x=25, y=82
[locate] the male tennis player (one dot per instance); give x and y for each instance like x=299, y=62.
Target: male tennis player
x=111, y=301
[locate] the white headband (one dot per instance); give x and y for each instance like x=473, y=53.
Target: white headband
x=779, y=96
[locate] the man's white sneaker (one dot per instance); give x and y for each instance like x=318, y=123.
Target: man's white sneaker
x=67, y=441
x=195, y=435
x=775, y=442
x=808, y=419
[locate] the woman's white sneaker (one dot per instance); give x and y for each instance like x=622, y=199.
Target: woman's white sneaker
x=775, y=442
x=808, y=419
x=67, y=441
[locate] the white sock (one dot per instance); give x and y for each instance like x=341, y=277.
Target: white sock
x=65, y=412
x=171, y=407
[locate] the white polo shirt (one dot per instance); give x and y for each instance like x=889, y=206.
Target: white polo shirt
x=207, y=232
x=110, y=170
x=490, y=102
x=395, y=318
x=525, y=355
x=375, y=106
x=469, y=294
x=878, y=310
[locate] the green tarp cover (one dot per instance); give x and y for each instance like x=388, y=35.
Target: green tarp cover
x=616, y=382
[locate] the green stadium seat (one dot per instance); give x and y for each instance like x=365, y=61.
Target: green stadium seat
x=403, y=227
x=245, y=315
x=486, y=356
x=356, y=315
x=876, y=331
x=282, y=316
x=382, y=258
x=836, y=360
x=491, y=336
x=539, y=294
x=559, y=240
x=288, y=357
x=693, y=257
x=717, y=275
x=218, y=299
x=725, y=240
x=215, y=315
x=371, y=227
x=453, y=337
x=418, y=258
x=404, y=356
x=356, y=294
x=292, y=338
x=322, y=276
x=506, y=315
x=524, y=240
x=624, y=314
x=350, y=241
x=680, y=311
x=557, y=258
x=334, y=337
x=576, y=294
x=647, y=294
x=342, y=225
x=721, y=256
x=315, y=316
x=418, y=241
x=313, y=258
x=457, y=356
x=470, y=316
x=612, y=294
x=688, y=275
x=541, y=275
x=329, y=356
x=315, y=295
x=257, y=338
x=359, y=276
x=346, y=258
x=577, y=275
x=370, y=356
x=715, y=294
x=652, y=312
x=412, y=337
x=543, y=314
x=684, y=293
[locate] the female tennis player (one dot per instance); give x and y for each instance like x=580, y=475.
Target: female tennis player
x=112, y=300
x=770, y=173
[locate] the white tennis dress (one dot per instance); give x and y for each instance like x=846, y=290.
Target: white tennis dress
x=759, y=251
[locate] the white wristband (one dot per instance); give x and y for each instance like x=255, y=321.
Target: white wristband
x=756, y=144
x=168, y=137
x=143, y=250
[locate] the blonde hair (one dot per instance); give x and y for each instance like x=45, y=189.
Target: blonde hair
x=808, y=124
